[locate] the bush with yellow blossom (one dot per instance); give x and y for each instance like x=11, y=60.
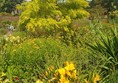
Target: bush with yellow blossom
x=52, y=17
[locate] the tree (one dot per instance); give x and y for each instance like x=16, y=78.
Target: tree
x=109, y=5
x=8, y=5
x=49, y=14
x=51, y=17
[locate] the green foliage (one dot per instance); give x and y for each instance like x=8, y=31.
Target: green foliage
x=51, y=17
x=8, y=5
x=108, y=47
x=33, y=56
x=4, y=14
x=100, y=9
x=3, y=31
x=50, y=14
x=109, y=5
x=25, y=59
x=114, y=14
x=28, y=59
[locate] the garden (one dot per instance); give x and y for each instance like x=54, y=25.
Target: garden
x=59, y=41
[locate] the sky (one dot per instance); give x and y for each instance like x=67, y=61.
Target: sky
x=59, y=0
x=89, y=0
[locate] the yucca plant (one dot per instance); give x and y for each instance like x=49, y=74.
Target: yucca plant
x=108, y=47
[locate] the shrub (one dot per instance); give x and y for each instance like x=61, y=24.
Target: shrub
x=33, y=56
x=52, y=19
x=108, y=47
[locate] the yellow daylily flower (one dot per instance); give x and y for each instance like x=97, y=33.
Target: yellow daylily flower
x=96, y=78
x=39, y=81
x=70, y=67
x=63, y=80
x=86, y=81
x=61, y=71
x=74, y=74
x=3, y=74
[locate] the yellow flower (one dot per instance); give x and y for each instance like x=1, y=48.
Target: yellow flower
x=6, y=39
x=96, y=78
x=70, y=67
x=51, y=68
x=74, y=74
x=66, y=81
x=14, y=50
x=66, y=63
x=86, y=81
x=3, y=74
x=68, y=73
x=13, y=38
x=61, y=71
x=63, y=80
x=56, y=74
x=39, y=81
x=46, y=73
x=5, y=46
x=51, y=79
x=66, y=29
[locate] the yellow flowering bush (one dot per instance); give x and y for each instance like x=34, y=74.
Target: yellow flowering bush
x=52, y=17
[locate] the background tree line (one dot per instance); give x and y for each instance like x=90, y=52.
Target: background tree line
x=103, y=7
x=9, y=5
x=109, y=5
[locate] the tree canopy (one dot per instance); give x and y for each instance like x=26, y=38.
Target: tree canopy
x=9, y=5
x=109, y=5
x=49, y=15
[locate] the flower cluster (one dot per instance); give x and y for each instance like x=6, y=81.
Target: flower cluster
x=13, y=39
x=95, y=78
x=67, y=73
